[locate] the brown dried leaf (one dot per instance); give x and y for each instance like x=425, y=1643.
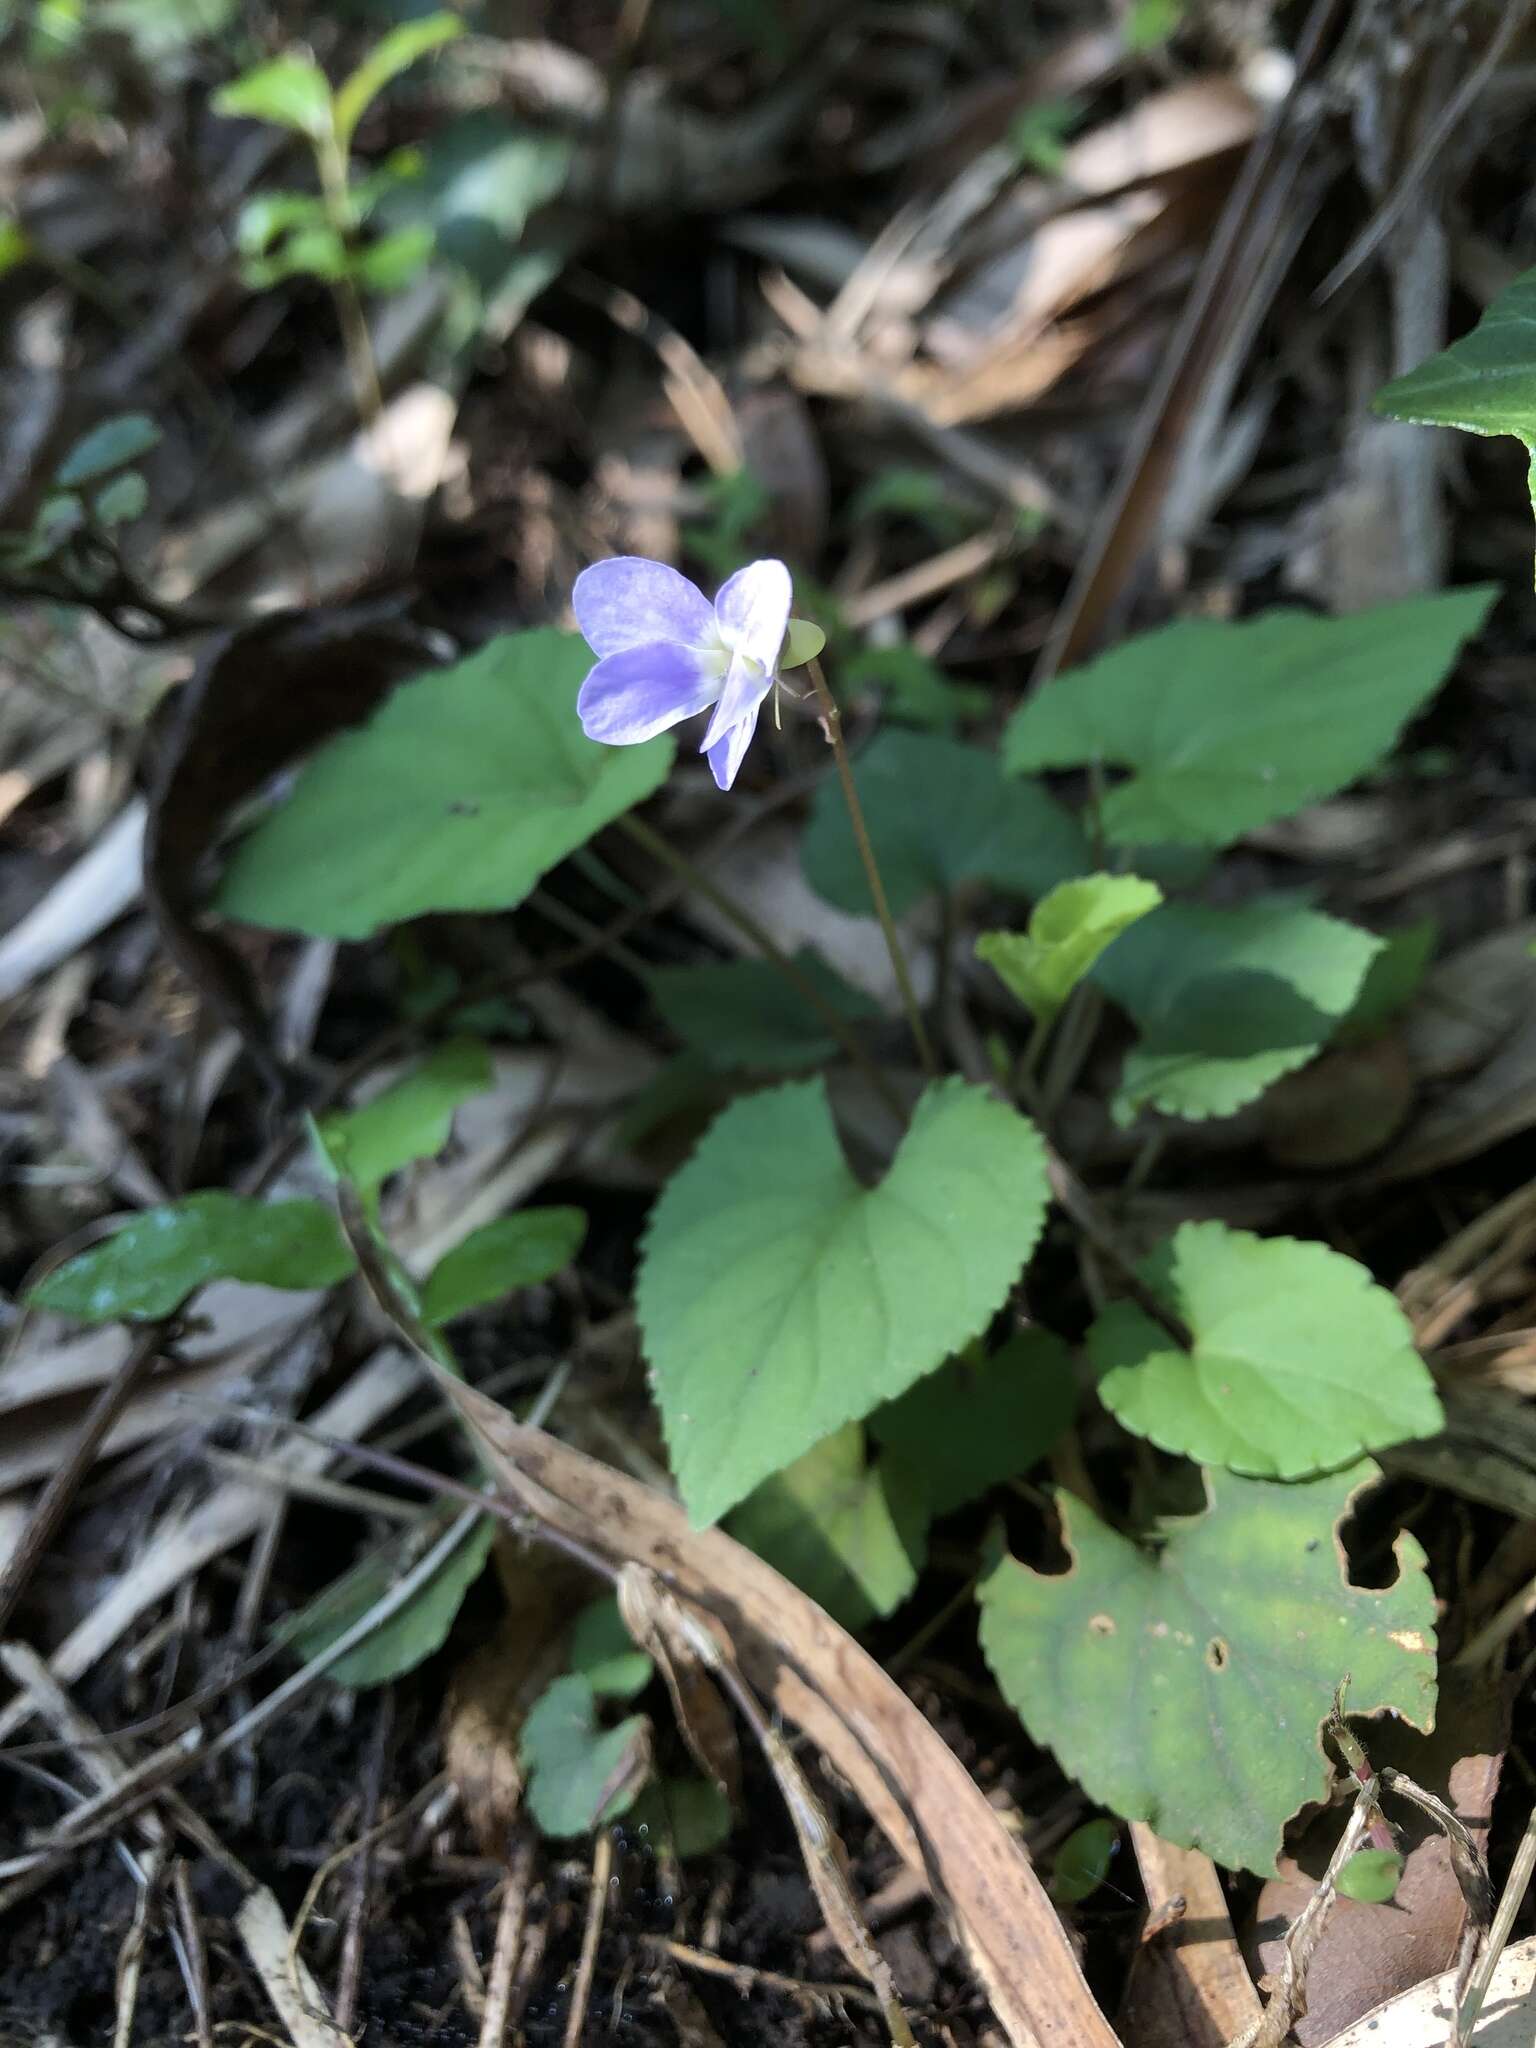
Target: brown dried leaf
x=1371, y=1952
x=1341, y=1109
x=492, y=1691
x=1420, y=2018
x=663, y=1629
x=815, y=1675
x=264, y=696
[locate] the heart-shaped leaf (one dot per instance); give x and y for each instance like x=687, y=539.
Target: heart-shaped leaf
x=939, y=814
x=1299, y=1360
x=1229, y=1000
x=465, y=787
x=578, y=1772
x=1227, y=725
x=1485, y=383
x=1186, y=1685
x=150, y=1266
x=1068, y=931
x=780, y=1299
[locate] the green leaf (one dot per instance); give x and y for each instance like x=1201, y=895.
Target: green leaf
x=691, y=1814
x=392, y=54
x=780, y=1299
x=917, y=691
x=1299, y=1361
x=939, y=814
x=743, y=1013
x=1151, y=23
x=150, y=1266
x=578, y=1773
x=394, y=259
x=851, y=1535
x=464, y=789
x=515, y=1251
x=1229, y=1000
x=409, y=1637
x=1226, y=726
x=482, y=176
x=603, y=1651
x=270, y=214
x=802, y=643
x=1186, y=1685
x=1083, y=1860
x=924, y=495
x=1391, y=980
x=1485, y=383
x=1371, y=1876
x=1038, y=135
x=112, y=445
x=411, y=1120
x=1068, y=931
x=290, y=92
x=966, y=1427
x=121, y=500
x=15, y=246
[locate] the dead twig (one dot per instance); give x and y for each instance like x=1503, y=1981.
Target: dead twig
x=591, y=1934
x=1509, y=1905
x=1288, y=2001
x=747, y=1977
x=497, y=2015
x=54, y=1501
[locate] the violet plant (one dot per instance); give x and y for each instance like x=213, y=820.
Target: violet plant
x=842, y=1361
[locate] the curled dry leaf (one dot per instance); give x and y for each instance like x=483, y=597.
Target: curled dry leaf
x=1474, y=1016
x=263, y=697
x=1348, y=1104
x=690, y=1645
x=492, y=1691
x=664, y=1629
x=815, y=1676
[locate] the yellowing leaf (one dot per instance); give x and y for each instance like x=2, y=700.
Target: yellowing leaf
x=1067, y=932
x=1186, y=1684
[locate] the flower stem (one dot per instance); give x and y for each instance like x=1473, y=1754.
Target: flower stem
x=336, y=195
x=832, y=725
x=758, y=935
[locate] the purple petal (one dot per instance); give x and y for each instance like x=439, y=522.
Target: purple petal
x=753, y=608
x=727, y=754
x=637, y=693
x=746, y=685
x=628, y=601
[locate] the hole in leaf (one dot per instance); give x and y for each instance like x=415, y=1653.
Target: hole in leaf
x=1216, y=1654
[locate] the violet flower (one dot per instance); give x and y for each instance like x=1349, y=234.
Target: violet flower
x=665, y=652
